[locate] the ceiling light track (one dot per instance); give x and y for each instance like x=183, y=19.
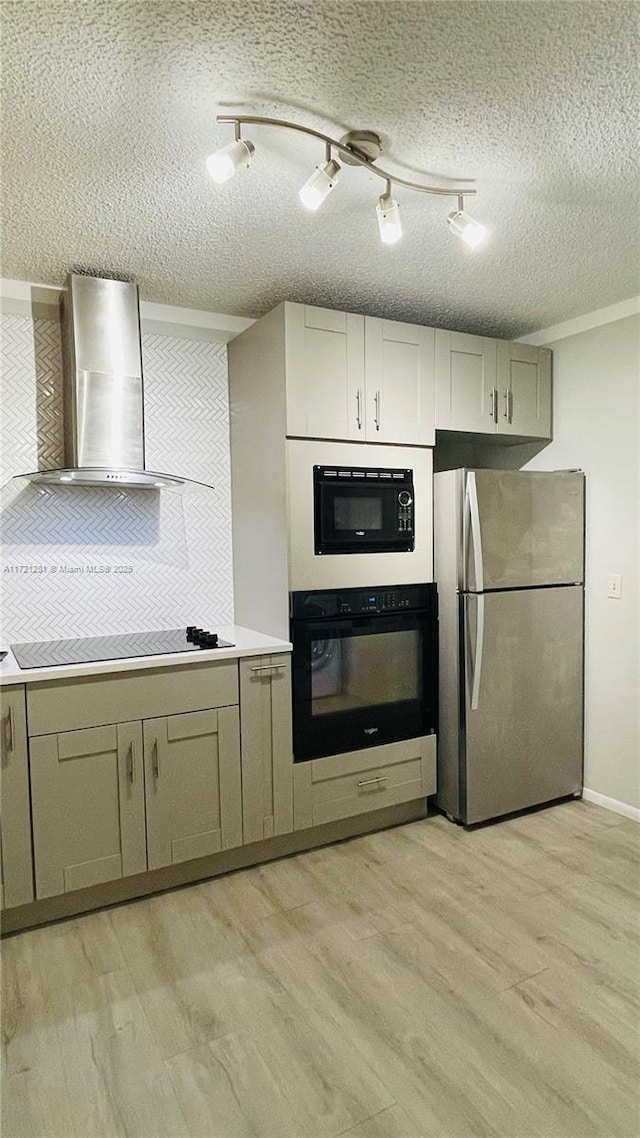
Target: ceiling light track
x=357, y=148
x=349, y=151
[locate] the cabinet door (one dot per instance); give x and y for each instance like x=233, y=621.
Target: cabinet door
x=465, y=382
x=15, y=839
x=192, y=783
x=88, y=807
x=324, y=373
x=524, y=386
x=267, y=752
x=400, y=382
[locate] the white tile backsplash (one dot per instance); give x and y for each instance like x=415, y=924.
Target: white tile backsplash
x=80, y=561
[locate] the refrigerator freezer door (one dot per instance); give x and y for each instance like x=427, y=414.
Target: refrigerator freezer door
x=522, y=700
x=522, y=528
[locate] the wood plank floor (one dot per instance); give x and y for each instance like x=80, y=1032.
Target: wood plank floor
x=424, y=982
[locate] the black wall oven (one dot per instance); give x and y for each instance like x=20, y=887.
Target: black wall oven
x=363, y=510
x=365, y=667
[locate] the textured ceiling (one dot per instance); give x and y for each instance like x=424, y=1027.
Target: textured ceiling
x=108, y=112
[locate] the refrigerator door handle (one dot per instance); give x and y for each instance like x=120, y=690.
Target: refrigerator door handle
x=473, y=513
x=478, y=654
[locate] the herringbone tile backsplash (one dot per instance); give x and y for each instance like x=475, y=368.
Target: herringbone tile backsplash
x=79, y=561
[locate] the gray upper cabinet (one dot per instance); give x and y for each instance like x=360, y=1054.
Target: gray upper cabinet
x=492, y=387
x=524, y=386
x=15, y=835
x=466, y=370
x=88, y=807
x=267, y=760
x=400, y=382
x=358, y=377
x=324, y=373
x=192, y=784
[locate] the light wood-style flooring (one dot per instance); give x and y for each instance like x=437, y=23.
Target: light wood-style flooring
x=423, y=982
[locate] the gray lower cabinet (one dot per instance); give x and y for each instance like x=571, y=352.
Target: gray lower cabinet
x=267, y=760
x=343, y=786
x=87, y=795
x=192, y=785
x=116, y=800
x=16, y=866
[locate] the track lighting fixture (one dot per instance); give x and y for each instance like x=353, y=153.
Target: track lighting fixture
x=389, y=223
x=465, y=227
x=321, y=182
x=224, y=163
x=356, y=148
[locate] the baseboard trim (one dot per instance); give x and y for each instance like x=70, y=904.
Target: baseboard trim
x=611, y=804
x=65, y=905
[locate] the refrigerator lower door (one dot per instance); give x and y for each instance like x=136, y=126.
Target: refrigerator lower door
x=521, y=741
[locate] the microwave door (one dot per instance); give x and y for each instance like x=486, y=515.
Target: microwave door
x=362, y=511
x=353, y=514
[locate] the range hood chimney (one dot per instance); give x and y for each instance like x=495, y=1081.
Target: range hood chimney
x=102, y=388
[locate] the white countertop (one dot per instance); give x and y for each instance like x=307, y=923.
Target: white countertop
x=245, y=642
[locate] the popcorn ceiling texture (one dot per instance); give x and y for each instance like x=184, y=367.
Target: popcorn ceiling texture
x=109, y=111
x=79, y=561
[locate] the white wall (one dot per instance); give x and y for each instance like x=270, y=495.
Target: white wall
x=597, y=428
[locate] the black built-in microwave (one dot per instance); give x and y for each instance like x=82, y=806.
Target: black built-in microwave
x=363, y=510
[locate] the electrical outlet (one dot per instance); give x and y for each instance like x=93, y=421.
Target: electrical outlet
x=615, y=586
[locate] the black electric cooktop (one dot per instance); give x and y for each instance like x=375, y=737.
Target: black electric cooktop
x=91, y=649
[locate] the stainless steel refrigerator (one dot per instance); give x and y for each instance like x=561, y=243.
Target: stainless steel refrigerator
x=509, y=560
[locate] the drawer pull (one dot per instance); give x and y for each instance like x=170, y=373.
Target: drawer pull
x=373, y=781
x=267, y=667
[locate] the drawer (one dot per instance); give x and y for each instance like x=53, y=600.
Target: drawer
x=342, y=786
x=94, y=701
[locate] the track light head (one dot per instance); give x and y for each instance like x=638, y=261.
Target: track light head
x=389, y=223
x=224, y=163
x=466, y=228
x=320, y=184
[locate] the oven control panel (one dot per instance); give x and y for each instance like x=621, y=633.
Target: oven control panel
x=359, y=602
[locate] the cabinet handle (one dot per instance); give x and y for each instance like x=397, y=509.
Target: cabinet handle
x=506, y=403
x=491, y=394
x=155, y=761
x=131, y=763
x=371, y=781
x=376, y=417
x=495, y=404
x=267, y=667
x=510, y=405
x=358, y=410
x=7, y=731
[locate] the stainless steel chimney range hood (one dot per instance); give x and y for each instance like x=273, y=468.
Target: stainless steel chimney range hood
x=103, y=390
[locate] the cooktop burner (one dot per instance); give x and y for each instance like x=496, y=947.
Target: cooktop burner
x=90, y=649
